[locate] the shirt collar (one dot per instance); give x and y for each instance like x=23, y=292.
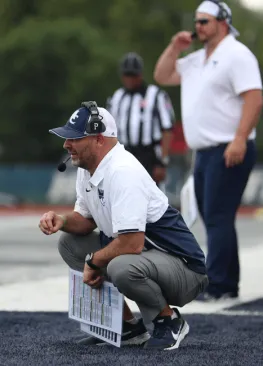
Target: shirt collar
x=223, y=46
x=99, y=173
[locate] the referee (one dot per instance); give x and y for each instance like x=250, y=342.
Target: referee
x=145, y=117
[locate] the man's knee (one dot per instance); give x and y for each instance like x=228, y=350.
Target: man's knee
x=217, y=219
x=74, y=248
x=117, y=271
x=78, y=245
x=64, y=243
x=123, y=270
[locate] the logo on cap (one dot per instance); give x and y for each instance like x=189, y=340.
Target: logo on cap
x=75, y=115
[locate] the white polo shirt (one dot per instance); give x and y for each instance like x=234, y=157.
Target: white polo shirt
x=210, y=92
x=121, y=196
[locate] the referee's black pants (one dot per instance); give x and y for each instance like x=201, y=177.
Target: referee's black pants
x=219, y=191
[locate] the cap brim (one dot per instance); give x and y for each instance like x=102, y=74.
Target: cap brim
x=66, y=132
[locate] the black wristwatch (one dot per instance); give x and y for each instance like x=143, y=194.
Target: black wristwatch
x=88, y=260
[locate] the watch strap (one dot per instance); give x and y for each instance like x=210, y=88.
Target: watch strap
x=89, y=262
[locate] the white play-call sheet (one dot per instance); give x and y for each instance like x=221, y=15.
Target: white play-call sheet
x=99, y=311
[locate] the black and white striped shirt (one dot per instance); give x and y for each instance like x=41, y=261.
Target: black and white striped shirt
x=141, y=116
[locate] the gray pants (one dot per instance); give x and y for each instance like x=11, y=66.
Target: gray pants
x=152, y=279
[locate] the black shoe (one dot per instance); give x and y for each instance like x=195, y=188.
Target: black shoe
x=168, y=333
x=208, y=297
x=132, y=334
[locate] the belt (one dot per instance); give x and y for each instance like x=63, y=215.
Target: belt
x=223, y=144
x=213, y=147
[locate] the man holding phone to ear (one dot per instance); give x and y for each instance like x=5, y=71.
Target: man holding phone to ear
x=221, y=96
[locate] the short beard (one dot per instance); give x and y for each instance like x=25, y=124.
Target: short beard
x=75, y=162
x=204, y=41
x=88, y=164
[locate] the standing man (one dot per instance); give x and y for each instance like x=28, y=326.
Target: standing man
x=144, y=245
x=144, y=116
x=221, y=104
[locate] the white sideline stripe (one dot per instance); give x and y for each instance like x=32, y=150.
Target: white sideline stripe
x=13, y=222
x=51, y=294
x=240, y=313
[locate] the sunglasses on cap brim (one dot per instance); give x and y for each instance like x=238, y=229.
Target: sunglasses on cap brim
x=202, y=21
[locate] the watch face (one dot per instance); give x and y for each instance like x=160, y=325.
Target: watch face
x=88, y=257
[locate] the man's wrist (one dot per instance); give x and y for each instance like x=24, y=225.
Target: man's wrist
x=174, y=51
x=241, y=138
x=98, y=262
x=89, y=260
x=64, y=218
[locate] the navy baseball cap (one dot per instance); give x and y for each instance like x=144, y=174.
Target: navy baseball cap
x=75, y=128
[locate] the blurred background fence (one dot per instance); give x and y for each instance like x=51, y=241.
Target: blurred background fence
x=55, y=54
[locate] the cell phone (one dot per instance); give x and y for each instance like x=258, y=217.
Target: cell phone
x=194, y=35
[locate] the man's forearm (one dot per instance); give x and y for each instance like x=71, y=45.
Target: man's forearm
x=128, y=244
x=104, y=256
x=74, y=223
x=252, y=108
x=166, y=65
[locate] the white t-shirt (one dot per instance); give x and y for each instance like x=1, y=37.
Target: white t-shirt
x=121, y=196
x=210, y=92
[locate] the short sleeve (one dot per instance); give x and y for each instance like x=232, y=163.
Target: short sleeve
x=181, y=65
x=245, y=73
x=192, y=60
x=129, y=201
x=81, y=204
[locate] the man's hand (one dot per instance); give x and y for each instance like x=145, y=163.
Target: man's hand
x=235, y=152
x=159, y=174
x=181, y=41
x=92, y=277
x=50, y=223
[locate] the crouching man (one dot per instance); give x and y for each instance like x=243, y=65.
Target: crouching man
x=144, y=245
